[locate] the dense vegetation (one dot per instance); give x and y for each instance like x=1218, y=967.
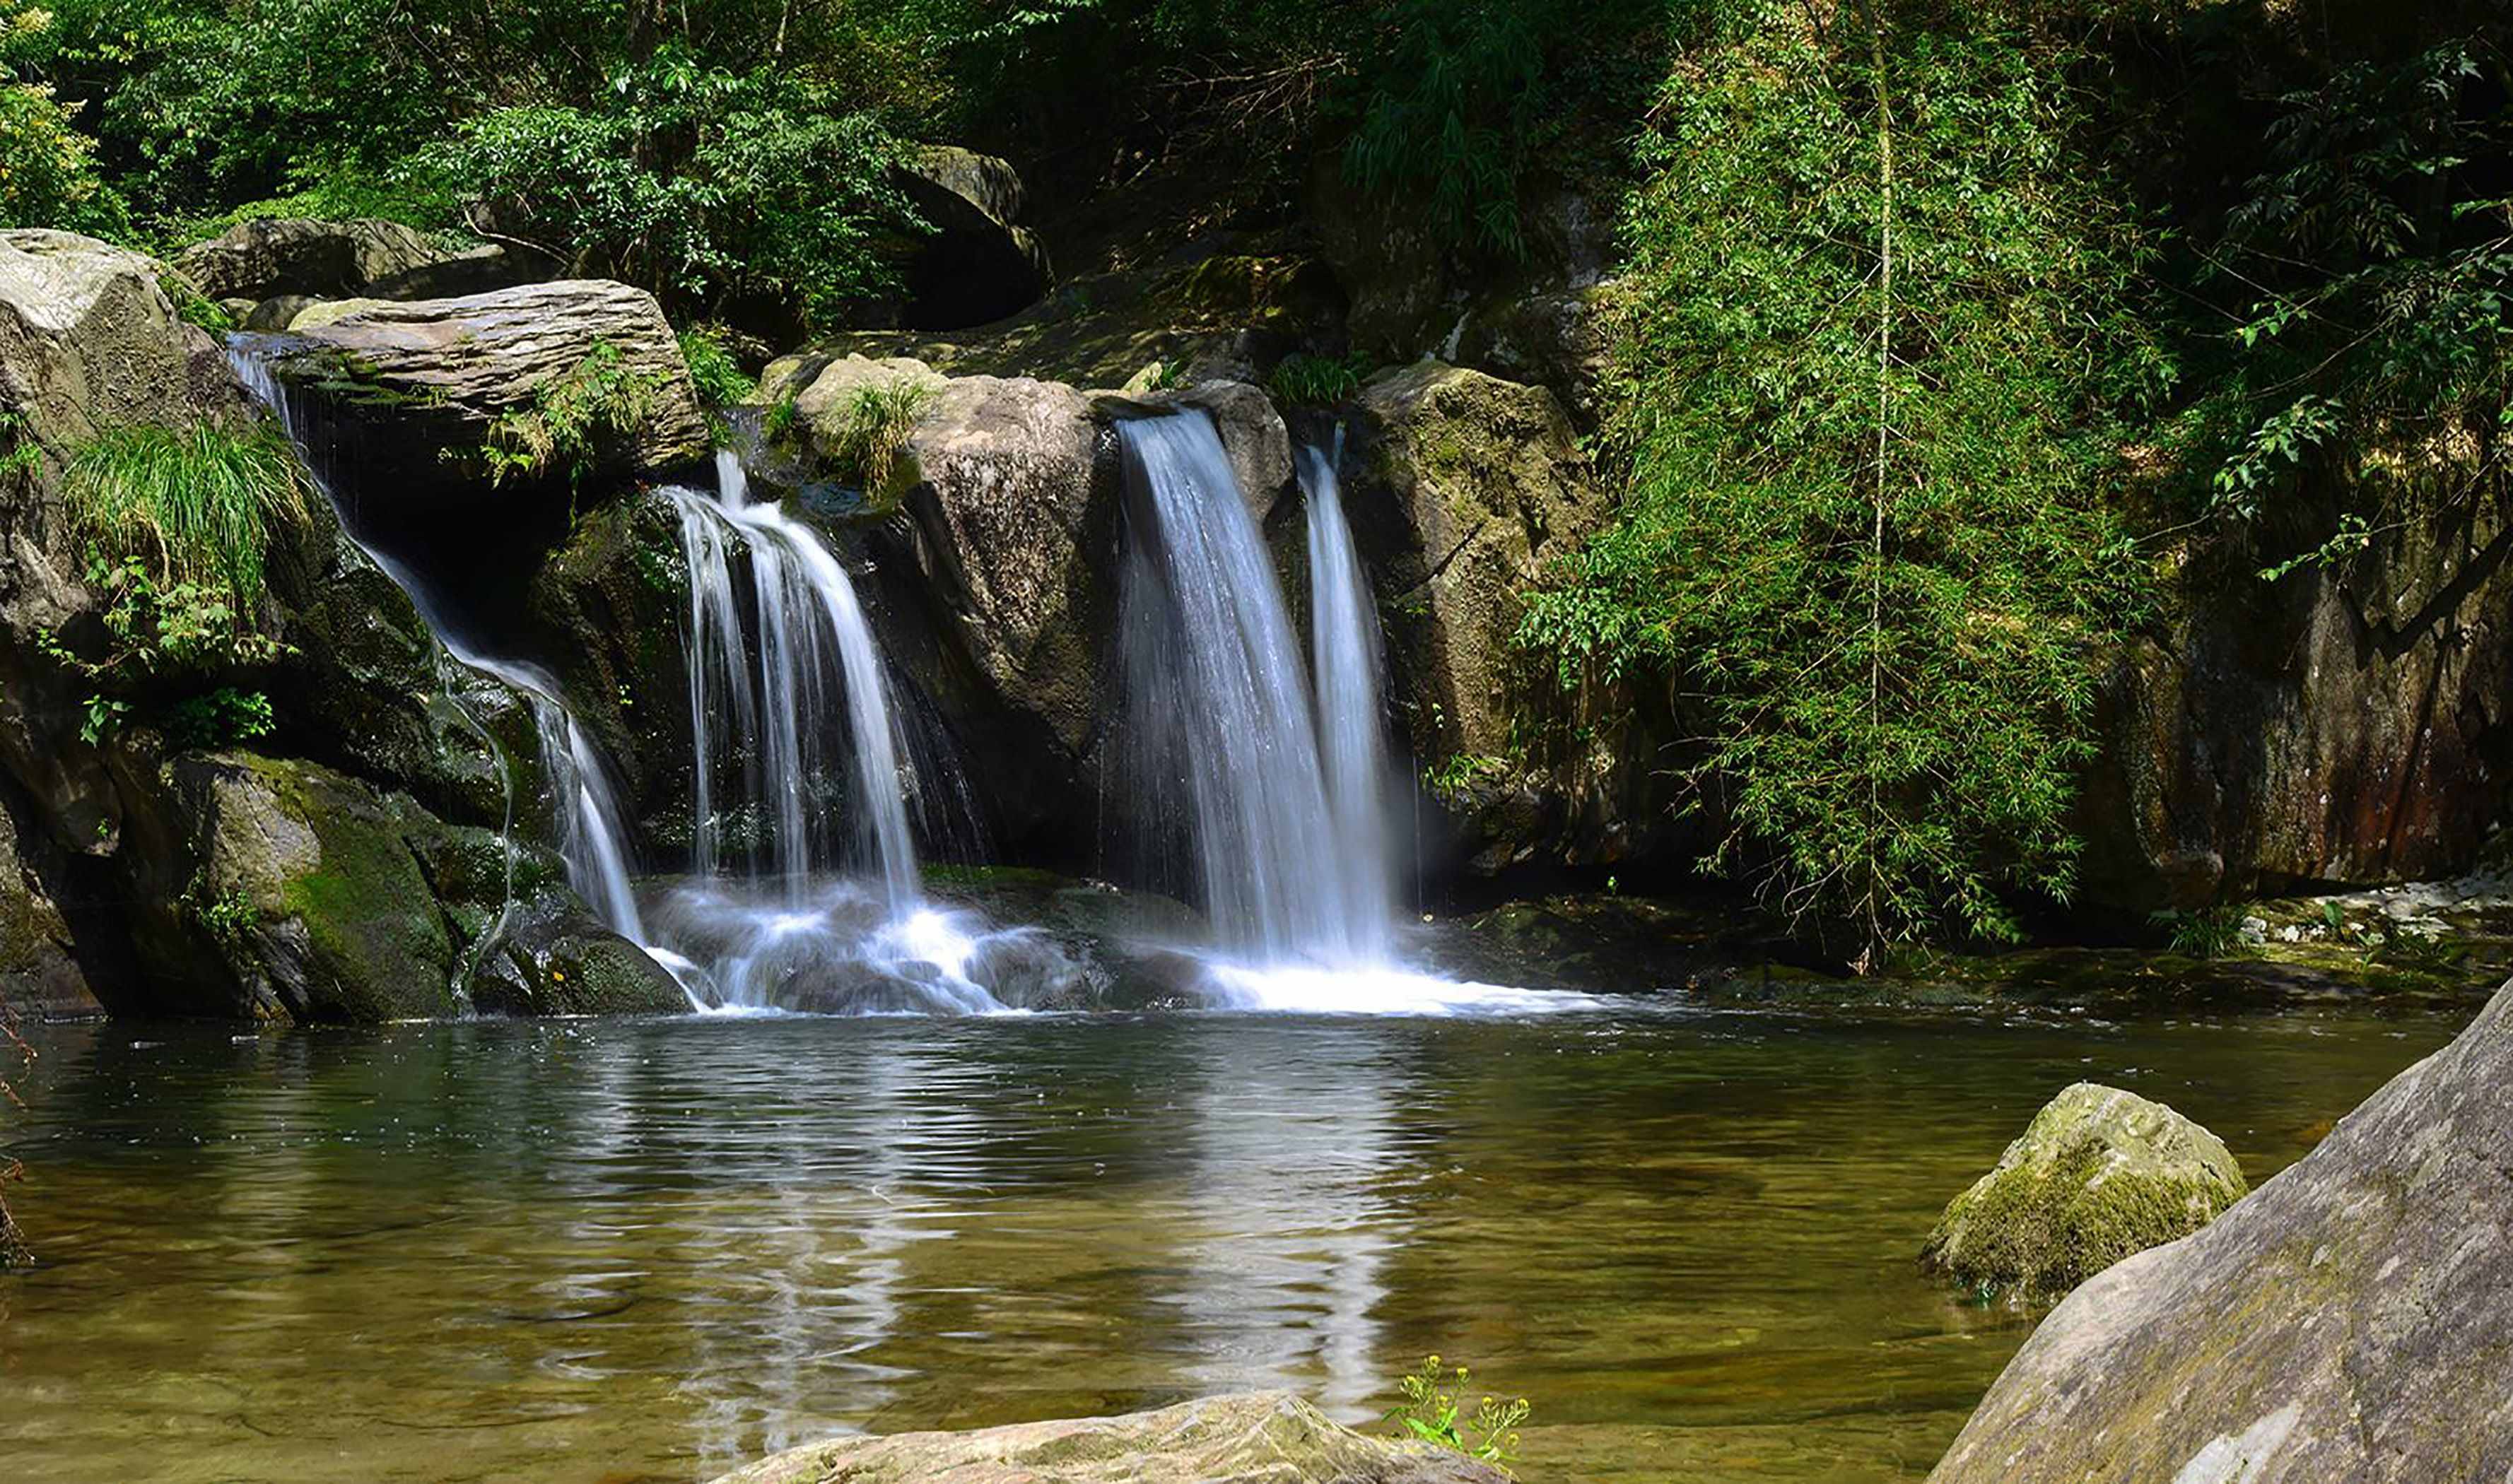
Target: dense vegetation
x=1951, y=332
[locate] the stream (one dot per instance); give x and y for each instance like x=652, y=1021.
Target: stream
x=646, y=1251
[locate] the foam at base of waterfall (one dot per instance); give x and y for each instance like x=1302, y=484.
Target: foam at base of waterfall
x=1379, y=990
x=841, y=952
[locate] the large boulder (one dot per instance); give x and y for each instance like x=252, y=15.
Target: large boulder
x=1264, y=1437
x=2344, y=1324
x=300, y=883
x=464, y=436
x=265, y=259
x=2098, y=1174
x=976, y=265
x=1464, y=488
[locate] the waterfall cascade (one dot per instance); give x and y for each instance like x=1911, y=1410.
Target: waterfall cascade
x=1344, y=653
x=776, y=715
x=1292, y=868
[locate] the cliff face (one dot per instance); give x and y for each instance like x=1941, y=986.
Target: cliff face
x=2343, y=725
x=293, y=867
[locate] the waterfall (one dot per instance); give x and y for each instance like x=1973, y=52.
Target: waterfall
x=1345, y=655
x=775, y=708
x=1221, y=706
x=593, y=828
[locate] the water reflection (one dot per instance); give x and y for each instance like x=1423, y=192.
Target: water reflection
x=609, y=1251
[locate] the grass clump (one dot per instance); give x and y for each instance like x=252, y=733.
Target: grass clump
x=1302, y=379
x=175, y=528
x=191, y=507
x=875, y=430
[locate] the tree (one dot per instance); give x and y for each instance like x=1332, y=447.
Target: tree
x=1871, y=353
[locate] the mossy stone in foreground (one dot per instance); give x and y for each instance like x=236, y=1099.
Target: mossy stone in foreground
x=2100, y=1175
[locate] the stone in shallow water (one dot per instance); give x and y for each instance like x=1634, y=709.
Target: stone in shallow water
x=2351, y=1322
x=1263, y=1437
x=2100, y=1175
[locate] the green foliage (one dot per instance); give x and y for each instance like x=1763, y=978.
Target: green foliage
x=1301, y=379
x=2367, y=269
x=1454, y=780
x=1433, y=1411
x=719, y=378
x=1864, y=534
x=191, y=508
x=2202, y=932
x=879, y=420
x=1455, y=113
x=575, y=418
x=47, y=168
x=176, y=527
x=227, y=917
x=713, y=185
x=219, y=718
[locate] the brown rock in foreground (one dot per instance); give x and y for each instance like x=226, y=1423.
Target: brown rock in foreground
x=2350, y=1322
x=1262, y=1438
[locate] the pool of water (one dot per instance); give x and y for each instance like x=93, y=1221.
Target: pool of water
x=610, y=1252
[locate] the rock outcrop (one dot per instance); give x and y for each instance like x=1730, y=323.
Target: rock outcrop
x=2338, y=728
x=438, y=372
x=1266, y=1437
x=2343, y=1325
x=277, y=258
x=978, y=265
x=2099, y=1174
x=290, y=880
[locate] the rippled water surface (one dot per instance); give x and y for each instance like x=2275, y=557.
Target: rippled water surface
x=648, y=1251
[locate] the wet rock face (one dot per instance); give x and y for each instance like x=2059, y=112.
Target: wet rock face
x=2100, y=1175
x=2338, y=728
x=2345, y=1322
x=1266, y=1437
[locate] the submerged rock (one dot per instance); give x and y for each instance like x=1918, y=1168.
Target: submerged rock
x=2099, y=1174
x=1263, y=1437
x=2347, y=1322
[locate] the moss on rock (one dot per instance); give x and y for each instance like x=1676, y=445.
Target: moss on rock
x=2100, y=1175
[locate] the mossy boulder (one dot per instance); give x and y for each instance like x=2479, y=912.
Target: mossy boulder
x=305, y=885
x=2100, y=1175
x=1264, y=1437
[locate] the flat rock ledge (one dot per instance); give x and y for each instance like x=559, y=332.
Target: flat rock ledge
x=2098, y=1174
x=2349, y=1322
x=1260, y=1437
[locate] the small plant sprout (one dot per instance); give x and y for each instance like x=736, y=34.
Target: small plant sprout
x=1433, y=1411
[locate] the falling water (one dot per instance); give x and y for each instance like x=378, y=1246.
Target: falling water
x=1220, y=703
x=593, y=828
x=1343, y=647
x=775, y=708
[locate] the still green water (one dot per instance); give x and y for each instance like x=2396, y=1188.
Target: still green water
x=649, y=1251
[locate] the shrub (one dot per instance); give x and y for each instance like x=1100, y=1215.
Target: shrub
x=48, y=171
x=1301, y=379
x=573, y=417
